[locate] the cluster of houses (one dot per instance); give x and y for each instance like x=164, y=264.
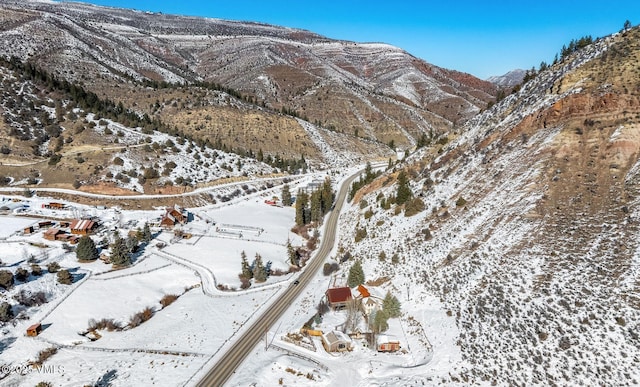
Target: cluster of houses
x=70, y=231
x=57, y=231
x=339, y=298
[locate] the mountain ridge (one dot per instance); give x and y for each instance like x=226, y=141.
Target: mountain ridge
x=359, y=89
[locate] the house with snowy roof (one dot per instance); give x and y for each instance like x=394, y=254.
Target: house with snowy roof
x=174, y=215
x=336, y=341
x=83, y=226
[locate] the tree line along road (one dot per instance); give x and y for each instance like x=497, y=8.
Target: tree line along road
x=223, y=369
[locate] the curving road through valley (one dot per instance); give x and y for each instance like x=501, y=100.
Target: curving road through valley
x=226, y=366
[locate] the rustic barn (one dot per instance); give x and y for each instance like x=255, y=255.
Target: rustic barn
x=52, y=234
x=339, y=298
x=34, y=330
x=28, y=230
x=336, y=341
x=83, y=226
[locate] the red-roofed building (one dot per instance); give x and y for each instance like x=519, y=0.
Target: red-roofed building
x=83, y=226
x=34, y=330
x=339, y=298
x=173, y=216
x=364, y=292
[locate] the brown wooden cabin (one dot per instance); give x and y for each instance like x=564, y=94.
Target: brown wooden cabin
x=34, y=330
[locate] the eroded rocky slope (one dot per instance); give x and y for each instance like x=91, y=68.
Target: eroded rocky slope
x=529, y=234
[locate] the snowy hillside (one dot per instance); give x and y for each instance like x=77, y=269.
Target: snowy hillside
x=527, y=237
x=333, y=84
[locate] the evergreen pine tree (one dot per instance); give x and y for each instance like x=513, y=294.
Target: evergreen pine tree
x=119, y=251
x=291, y=254
x=391, y=305
x=86, y=250
x=301, y=208
x=315, y=209
x=367, y=171
x=132, y=244
x=356, y=275
x=259, y=271
x=146, y=233
x=286, y=195
x=246, y=269
x=403, y=194
x=326, y=196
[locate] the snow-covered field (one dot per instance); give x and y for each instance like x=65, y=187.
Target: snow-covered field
x=180, y=338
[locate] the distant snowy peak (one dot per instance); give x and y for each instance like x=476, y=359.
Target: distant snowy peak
x=510, y=79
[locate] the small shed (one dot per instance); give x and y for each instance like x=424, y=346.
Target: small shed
x=54, y=206
x=34, y=330
x=28, y=230
x=45, y=224
x=336, y=341
x=387, y=345
x=52, y=234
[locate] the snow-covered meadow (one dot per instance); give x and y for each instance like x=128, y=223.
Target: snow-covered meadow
x=180, y=338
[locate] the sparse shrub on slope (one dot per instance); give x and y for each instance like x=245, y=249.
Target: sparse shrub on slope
x=29, y=299
x=6, y=313
x=168, y=299
x=21, y=274
x=53, y=267
x=140, y=317
x=64, y=277
x=361, y=233
x=6, y=279
x=36, y=270
x=45, y=354
x=413, y=207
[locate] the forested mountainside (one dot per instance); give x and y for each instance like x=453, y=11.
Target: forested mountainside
x=261, y=80
x=525, y=226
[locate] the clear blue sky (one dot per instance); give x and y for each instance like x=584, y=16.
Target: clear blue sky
x=479, y=37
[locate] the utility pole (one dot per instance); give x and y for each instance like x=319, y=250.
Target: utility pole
x=408, y=290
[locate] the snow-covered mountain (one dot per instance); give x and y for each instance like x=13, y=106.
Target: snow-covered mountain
x=373, y=91
x=508, y=80
x=529, y=232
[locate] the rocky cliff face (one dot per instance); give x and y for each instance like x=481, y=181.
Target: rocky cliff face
x=530, y=230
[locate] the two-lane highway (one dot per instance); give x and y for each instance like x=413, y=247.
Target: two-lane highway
x=224, y=368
